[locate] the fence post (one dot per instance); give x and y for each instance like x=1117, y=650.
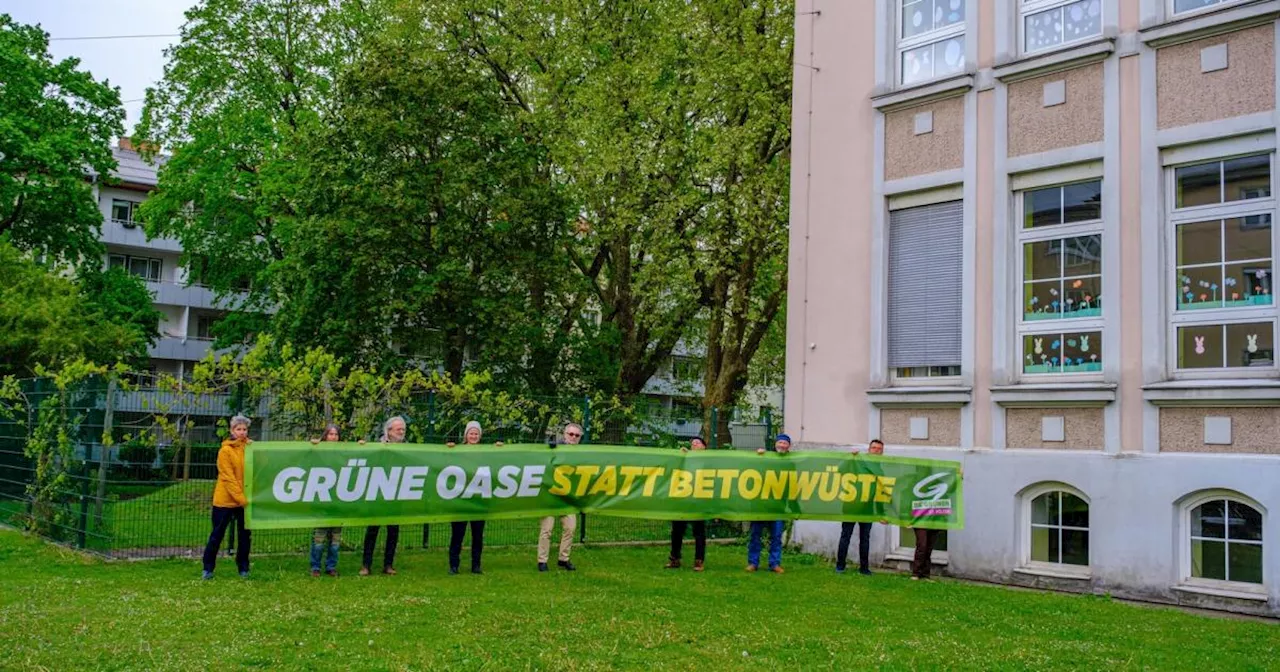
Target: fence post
x=431, y=435
x=586, y=419
x=106, y=442
x=582, y=528
x=81, y=533
x=768, y=425
x=715, y=428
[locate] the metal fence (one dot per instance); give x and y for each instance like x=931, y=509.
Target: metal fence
x=148, y=492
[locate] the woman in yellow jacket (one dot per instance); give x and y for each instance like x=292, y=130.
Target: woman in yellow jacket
x=229, y=499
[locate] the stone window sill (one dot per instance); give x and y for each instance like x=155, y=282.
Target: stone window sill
x=1258, y=596
x=1241, y=392
x=1027, y=66
x=1082, y=574
x=1197, y=26
x=1039, y=395
x=888, y=101
x=931, y=396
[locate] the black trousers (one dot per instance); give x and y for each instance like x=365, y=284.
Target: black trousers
x=222, y=517
x=457, y=531
x=371, y=540
x=923, y=560
x=699, y=538
x=864, y=544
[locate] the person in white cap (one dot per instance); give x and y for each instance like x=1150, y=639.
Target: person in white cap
x=458, y=529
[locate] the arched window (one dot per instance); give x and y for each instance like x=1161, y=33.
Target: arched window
x=1055, y=528
x=1224, y=539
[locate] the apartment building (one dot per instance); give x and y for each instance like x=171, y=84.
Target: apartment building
x=1036, y=236
x=190, y=310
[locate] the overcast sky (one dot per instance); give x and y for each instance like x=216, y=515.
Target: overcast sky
x=131, y=64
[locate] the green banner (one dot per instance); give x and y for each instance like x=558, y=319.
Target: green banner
x=330, y=484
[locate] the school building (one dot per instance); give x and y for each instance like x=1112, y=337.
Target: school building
x=1036, y=237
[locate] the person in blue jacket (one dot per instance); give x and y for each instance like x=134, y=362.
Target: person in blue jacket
x=782, y=446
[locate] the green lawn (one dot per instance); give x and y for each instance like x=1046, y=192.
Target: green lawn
x=62, y=611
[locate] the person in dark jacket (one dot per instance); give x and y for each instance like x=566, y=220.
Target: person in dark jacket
x=678, y=528
x=458, y=528
x=876, y=447
x=393, y=431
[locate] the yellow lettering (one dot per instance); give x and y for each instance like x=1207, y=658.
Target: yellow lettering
x=585, y=472
x=561, y=478
x=727, y=477
x=775, y=484
x=704, y=486
x=884, y=489
x=629, y=474
x=808, y=482
x=651, y=475
x=607, y=484
x=681, y=483
x=749, y=484
x=866, y=481
x=848, y=487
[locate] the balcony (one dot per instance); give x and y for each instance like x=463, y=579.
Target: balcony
x=195, y=296
x=173, y=347
x=121, y=232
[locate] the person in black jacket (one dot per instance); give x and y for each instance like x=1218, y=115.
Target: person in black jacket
x=876, y=447
x=699, y=527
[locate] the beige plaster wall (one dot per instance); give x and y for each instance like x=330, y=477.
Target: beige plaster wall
x=1034, y=128
x=1085, y=428
x=1253, y=430
x=944, y=426
x=907, y=154
x=1130, y=314
x=1185, y=95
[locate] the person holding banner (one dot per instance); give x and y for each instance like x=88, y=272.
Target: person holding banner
x=323, y=538
x=876, y=447
x=699, y=528
x=458, y=529
x=568, y=522
x=229, y=500
x=782, y=446
x=393, y=431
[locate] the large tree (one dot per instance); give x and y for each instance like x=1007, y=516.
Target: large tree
x=56, y=127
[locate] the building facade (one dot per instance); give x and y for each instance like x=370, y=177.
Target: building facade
x=1036, y=236
x=189, y=309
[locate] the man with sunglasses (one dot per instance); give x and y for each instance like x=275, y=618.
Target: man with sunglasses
x=568, y=522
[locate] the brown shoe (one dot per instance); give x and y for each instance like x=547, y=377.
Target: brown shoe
x=389, y=570
x=751, y=568
x=697, y=565
x=777, y=570
x=331, y=572
x=364, y=571
x=315, y=573
x=672, y=564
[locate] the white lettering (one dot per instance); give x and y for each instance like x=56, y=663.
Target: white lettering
x=411, y=483
x=459, y=477
x=382, y=484
x=531, y=480
x=508, y=481
x=481, y=484
x=319, y=482
x=288, y=485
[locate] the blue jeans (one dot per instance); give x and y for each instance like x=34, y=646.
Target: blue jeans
x=325, y=538
x=775, y=542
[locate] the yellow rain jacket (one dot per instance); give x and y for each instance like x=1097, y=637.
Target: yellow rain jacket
x=229, y=492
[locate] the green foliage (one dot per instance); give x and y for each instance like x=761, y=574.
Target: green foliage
x=55, y=121
x=46, y=319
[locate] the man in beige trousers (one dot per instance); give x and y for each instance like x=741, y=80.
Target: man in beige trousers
x=568, y=523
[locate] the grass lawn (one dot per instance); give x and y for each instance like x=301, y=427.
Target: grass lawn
x=63, y=611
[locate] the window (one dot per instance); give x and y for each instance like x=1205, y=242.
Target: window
x=930, y=39
x=907, y=541
x=687, y=368
x=205, y=326
x=123, y=211
x=1049, y=23
x=1225, y=541
x=1059, y=529
x=144, y=267
x=1182, y=6
x=1223, y=310
x=1060, y=262
x=925, y=293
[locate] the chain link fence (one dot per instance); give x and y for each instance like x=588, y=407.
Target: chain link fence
x=128, y=471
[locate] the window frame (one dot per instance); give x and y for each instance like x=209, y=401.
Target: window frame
x=212, y=321
x=902, y=45
x=908, y=552
x=1026, y=8
x=130, y=221
x=1184, y=543
x=1173, y=14
x=1024, y=236
x=128, y=259
x=1026, y=525
x=1208, y=317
